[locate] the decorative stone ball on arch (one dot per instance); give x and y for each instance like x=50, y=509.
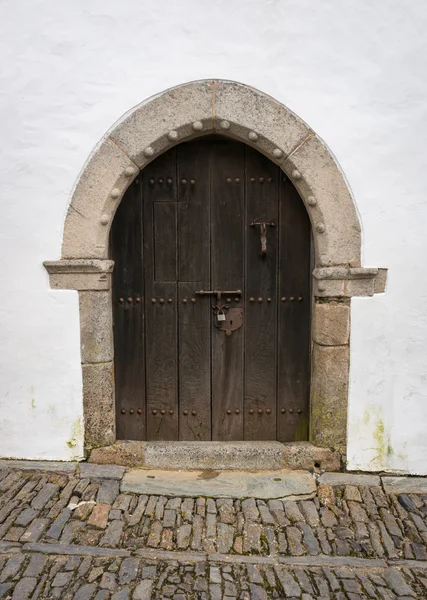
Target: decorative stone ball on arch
x=242, y=113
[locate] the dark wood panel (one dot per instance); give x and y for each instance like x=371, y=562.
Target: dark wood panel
x=128, y=315
x=165, y=238
x=227, y=255
x=194, y=212
x=294, y=317
x=194, y=274
x=160, y=303
x=162, y=363
x=194, y=365
x=262, y=199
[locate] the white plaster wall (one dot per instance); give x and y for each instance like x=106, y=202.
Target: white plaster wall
x=355, y=71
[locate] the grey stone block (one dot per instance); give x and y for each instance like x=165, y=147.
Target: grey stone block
x=46, y=493
x=405, y=485
x=24, y=588
x=108, y=491
x=57, y=526
x=36, y=565
x=129, y=453
x=96, y=327
x=99, y=408
x=358, y=479
x=37, y=465
x=305, y=455
x=35, y=530
x=101, y=471
x=331, y=323
x=26, y=516
x=329, y=396
x=143, y=590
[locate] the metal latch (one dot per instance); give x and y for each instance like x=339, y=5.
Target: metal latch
x=227, y=319
x=263, y=234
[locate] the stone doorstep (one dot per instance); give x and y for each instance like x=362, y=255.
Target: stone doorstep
x=264, y=485
x=242, y=456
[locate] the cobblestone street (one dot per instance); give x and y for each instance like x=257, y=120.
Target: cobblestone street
x=71, y=535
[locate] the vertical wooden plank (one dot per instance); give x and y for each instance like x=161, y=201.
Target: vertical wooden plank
x=294, y=317
x=194, y=311
x=159, y=190
x=262, y=199
x=227, y=255
x=164, y=220
x=128, y=315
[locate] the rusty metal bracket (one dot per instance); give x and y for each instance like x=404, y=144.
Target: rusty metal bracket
x=263, y=234
x=233, y=320
x=222, y=311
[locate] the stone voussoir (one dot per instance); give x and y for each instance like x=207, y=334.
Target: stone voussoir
x=146, y=131
x=98, y=192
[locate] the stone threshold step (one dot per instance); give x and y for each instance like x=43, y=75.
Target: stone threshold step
x=219, y=456
x=263, y=485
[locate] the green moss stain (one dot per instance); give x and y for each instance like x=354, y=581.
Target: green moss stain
x=76, y=434
x=32, y=394
x=380, y=443
x=381, y=437
x=329, y=418
x=301, y=433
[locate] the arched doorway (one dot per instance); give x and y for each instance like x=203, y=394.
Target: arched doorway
x=211, y=215
x=244, y=114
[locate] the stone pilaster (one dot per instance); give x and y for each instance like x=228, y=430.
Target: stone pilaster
x=330, y=374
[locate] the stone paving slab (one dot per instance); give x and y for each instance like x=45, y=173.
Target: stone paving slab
x=101, y=471
x=405, y=485
x=74, y=549
x=39, y=465
x=349, y=479
x=220, y=484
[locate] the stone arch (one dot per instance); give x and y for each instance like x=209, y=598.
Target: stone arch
x=240, y=112
x=199, y=108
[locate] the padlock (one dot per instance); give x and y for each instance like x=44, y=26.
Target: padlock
x=220, y=316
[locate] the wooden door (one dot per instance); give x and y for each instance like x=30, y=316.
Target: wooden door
x=211, y=215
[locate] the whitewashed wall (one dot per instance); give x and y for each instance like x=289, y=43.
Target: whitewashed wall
x=355, y=71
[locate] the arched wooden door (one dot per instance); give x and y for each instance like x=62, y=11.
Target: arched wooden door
x=212, y=215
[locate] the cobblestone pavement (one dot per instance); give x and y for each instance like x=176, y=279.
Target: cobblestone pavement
x=69, y=536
